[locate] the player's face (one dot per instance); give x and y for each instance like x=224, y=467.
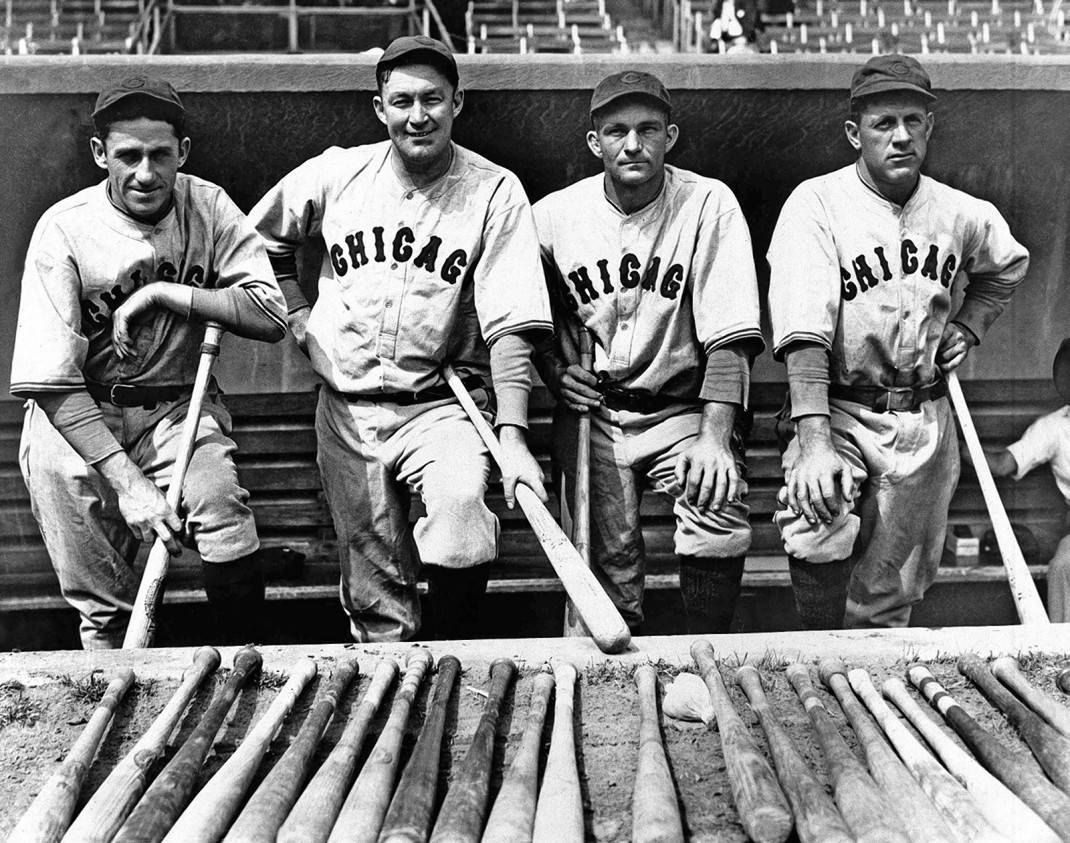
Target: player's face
x=142, y=157
x=891, y=137
x=632, y=139
x=417, y=104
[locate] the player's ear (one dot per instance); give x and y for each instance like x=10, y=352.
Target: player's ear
x=930, y=121
x=183, y=151
x=672, y=134
x=850, y=128
x=377, y=104
x=100, y=157
x=594, y=144
x=458, y=101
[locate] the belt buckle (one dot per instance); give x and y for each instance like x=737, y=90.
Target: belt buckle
x=901, y=399
x=116, y=392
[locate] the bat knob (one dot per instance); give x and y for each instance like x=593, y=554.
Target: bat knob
x=827, y=668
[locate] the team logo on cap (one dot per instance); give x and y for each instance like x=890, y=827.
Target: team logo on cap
x=133, y=82
x=631, y=78
x=899, y=68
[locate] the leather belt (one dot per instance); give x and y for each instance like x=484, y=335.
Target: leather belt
x=889, y=399
x=127, y=395
x=637, y=400
x=434, y=393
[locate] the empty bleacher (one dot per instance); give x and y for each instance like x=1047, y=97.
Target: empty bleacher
x=542, y=26
x=75, y=27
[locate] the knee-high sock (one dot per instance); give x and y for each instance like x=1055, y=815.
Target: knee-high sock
x=235, y=592
x=820, y=592
x=455, y=600
x=710, y=588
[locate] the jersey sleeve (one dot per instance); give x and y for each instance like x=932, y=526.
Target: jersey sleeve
x=1037, y=445
x=804, y=274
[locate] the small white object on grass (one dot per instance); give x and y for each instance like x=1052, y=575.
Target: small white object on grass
x=687, y=698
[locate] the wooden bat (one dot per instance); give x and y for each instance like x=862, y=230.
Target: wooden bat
x=1005, y=669
x=267, y=808
x=559, y=809
x=1013, y=766
x=1062, y=681
x=460, y=819
x=655, y=809
x=362, y=812
x=512, y=818
x=51, y=811
x=864, y=807
x=1000, y=805
x=581, y=494
x=314, y=813
x=408, y=819
x=106, y=809
x=213, y=808
x=169, y=794
x=962, y=812
x=1049, y=747
x=142, y=626
x=762, y=807
x=817, y=819
x=1026, y=599
x=597, y=611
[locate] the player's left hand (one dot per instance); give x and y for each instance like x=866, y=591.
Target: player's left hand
x=520, y=466
x=955, y=344
x=706, y=472
x=126, y=315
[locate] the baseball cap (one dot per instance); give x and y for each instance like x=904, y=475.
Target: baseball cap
x=1060, y=370
x=893, y=72
x=627, y=84
x=141, y=86
x=410, y=46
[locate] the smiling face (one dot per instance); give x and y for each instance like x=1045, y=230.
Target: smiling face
x=891, y=135
x=142, y=157
x=418, y=104
x=632, y=137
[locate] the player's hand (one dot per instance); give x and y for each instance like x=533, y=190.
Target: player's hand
x=575, y=386
x=519, y=465
x=955, y=344
x=142, y=504
x=123, y=319
x=820, y=482
x=706, y=472
x=299, y=327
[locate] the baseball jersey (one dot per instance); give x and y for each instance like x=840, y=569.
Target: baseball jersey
x=872, y=281
x=412, y=278
x=659, y=288
x=1046, y=440
x=86, y=257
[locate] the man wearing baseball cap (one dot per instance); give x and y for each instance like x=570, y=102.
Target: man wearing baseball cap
x=656, y=263
x=119, y=280
x=863, y=264
x=431, y=259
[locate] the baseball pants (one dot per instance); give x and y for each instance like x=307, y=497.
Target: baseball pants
x=906, y=466
x=371, y=456
x=91, y=547
x=630, y=453
x=1059, y=583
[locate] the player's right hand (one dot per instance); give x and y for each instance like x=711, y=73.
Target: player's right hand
x=576, y=387
x=820, y=483
x=141, y=503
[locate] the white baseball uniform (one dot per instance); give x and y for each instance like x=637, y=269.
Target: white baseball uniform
x=659, y=289
x=872, y=282
x=85, y=259
x=412, y=278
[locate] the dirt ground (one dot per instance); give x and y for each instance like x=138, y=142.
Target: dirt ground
x=40, y=720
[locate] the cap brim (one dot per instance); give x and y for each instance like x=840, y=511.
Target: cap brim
x=602, y=103
x=890, y=86
x=178, y=109
x=1060, y=371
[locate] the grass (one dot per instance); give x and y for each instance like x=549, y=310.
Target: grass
x=17, y=709
x=89, y=689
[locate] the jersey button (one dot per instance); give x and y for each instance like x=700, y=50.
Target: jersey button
x=624, y=326
x=389, y=304
x=393, y=266
x=408, y=195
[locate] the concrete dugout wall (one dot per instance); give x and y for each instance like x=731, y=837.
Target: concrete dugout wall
x=762, y=124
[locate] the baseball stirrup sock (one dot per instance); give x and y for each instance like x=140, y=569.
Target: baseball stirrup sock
x=710, y=588
x=820, y=592
x=455, y=600
x=235, y=592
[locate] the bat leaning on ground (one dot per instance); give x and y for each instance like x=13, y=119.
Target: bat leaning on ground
x=1006, y=670
x=762, y=807
x=512, y=817
x=213, y=808
x=817, y=819
x=862, y=803
x=51, y=811
x=581, y=494
x=919, y=817
x=1013, y=766
x=313, y=815
x=266, y=809
x=559, y=810
x=170, y=792
x=460, y=819
x=106, y=809
x=655, y=809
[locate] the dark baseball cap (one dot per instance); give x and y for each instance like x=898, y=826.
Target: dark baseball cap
x=412, y=48
x=139, y=86
x=1060, y=371
x=893, y=72
x=630, y=83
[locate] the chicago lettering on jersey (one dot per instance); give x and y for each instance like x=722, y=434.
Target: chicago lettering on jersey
x=626, y=275
x=97, y=311
x=358, y=249
x=867, y=271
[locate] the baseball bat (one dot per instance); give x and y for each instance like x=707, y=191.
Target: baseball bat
x=1006, y=670
x=1012, y=766
x=1008, y=813
x=408, y=819
x=596, y=610
x=1062, y=681
x=817, y=819
x=106, y=809
x=559, y=809
x=655, y=809
x=141, y=628
x=512, y=818
x=51, y=811
x=1023, y=589
x=314, y=813
x=264, y=813
x=170, y=792
x=864, y=807
x=213, y=808
x=362, y=812
x=460, y=819
x=581, y=494
x=962, y=812
x=1051, y=749
x=762, y=807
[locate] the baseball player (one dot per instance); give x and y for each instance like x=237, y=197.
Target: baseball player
x=118, y=279
x=431, y=258
x=863, y=261
x=656, y=263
